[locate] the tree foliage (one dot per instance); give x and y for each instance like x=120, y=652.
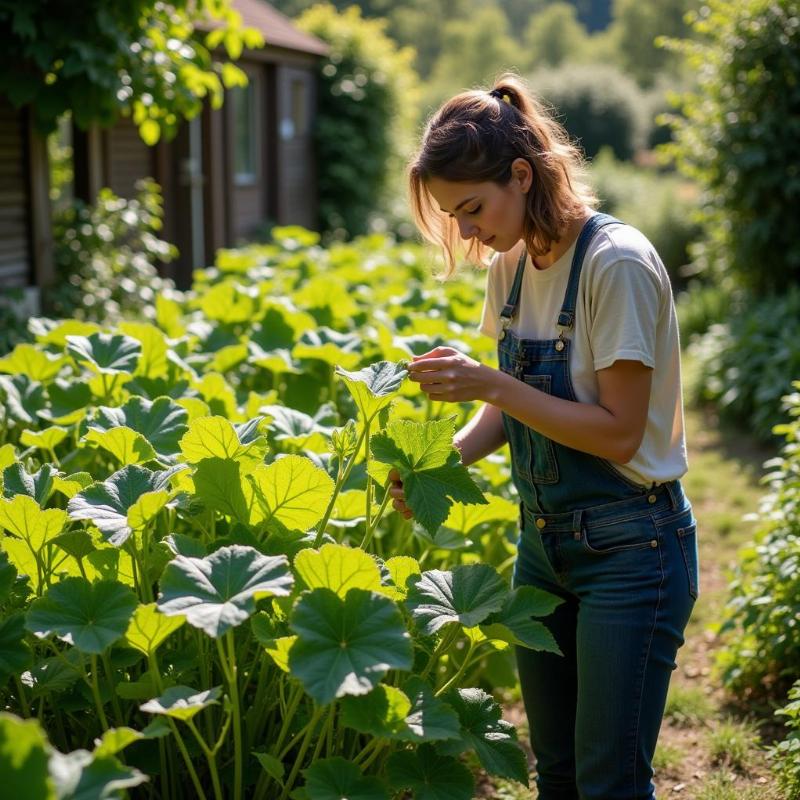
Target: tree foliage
x=739, y=137
x=143, y=58
x=555, y=35
x=366, y=111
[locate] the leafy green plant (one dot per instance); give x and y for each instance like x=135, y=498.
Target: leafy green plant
x=786, y=754
x=747, y=363
x=107, y=255
x=761, y=657
x=199, y=572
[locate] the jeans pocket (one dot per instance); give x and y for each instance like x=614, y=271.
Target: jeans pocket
x=635, y=534
x=687, y=538
x=543, y=464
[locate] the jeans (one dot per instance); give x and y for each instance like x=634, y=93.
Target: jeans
x=628, y=576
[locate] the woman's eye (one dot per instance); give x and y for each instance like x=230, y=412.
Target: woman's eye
x=474, y=210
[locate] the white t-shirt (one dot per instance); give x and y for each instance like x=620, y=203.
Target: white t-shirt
x=624, y=310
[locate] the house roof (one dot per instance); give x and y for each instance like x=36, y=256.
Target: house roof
x=278, y=29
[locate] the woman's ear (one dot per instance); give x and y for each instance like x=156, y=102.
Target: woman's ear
x=522, y=173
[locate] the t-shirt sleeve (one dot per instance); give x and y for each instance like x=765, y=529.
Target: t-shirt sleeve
x=490, y=313
x=625, y=306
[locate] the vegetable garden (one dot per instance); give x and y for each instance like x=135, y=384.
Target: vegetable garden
x=201, y=591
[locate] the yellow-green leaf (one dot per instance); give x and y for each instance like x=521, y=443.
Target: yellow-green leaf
x=148, y=628
x=338, y=568
x=125, y=444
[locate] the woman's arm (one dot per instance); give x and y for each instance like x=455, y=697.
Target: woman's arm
x=482, y=435
x=612, y=428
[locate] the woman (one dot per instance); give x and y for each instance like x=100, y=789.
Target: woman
x=588, y=397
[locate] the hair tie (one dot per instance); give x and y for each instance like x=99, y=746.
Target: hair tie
x=498, y=95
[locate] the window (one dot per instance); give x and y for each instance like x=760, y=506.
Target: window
x=245, y=133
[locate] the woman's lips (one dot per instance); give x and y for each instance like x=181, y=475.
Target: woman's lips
x=489, y=240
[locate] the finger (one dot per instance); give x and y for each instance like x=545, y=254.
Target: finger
x=394, y=475
x=431, y=364
x=437, y=351
x=397, y=491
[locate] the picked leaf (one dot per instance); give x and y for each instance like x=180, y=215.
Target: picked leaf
x=429, y=466
x=374, y=386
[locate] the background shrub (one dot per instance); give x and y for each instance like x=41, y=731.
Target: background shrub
x=739, y=137
x=661, y=206
x=746, y=365
x=106, y=256
x=598, y=104
x=762, y=653
x=365, y=117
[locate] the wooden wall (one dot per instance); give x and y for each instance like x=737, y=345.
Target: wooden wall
x=15, y=254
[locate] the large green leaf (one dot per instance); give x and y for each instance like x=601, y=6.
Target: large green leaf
x=91, y=616
x=15, y=655
x=429, y=466
x=336, y=779
x=24, y=398
x=430, y=776
x=17, y=480
x=107, y=504
x=24, y=753
x=80, y=775
x=105, y=353
x=291, y=490
x=514, y=623
x=8, y=574
x=468, y=595
x=483, y=729
x=22, y=516
x=217, y=437
x=374, y=386
x=339, y=568
x=30, y=360
x=292, y=427
x=162, y=422
x=182, y=702
x=68, y=401
x=149, y=628
x=219, y=592
x=413, y=714
x=346, y=645
x=126, y=445
x=219, y=483
x=465, y=518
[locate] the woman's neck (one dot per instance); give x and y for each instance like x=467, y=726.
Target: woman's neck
x=565, y=241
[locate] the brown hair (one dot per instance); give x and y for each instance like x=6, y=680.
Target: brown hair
x=474, y=137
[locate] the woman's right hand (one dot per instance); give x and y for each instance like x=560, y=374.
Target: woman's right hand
x=396, y=491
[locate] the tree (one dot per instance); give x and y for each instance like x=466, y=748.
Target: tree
x=739, y=137
x=554, y=36
x=142, y=58
x=368, y=105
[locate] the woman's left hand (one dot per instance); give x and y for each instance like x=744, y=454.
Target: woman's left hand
x=445, y=374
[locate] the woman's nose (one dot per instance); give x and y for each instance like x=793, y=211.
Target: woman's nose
x=467, y=229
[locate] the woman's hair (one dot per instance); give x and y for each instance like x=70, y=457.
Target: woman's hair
x=474, y=137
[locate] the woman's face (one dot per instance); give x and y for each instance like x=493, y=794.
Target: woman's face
x=485, y=211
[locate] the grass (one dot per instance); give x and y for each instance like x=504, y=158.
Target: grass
x=728, y=786
x=667, y=758
x=731, y=744
x=688, y=705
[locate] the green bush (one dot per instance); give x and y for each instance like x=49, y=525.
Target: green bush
x=702, y=305
x=662, y=206
x=365, y=117
x=12, y=325
x=739, y=137
x=106, y=256
x=598, y=104
x=746, y=364
x=786, y=754
x=761, y=657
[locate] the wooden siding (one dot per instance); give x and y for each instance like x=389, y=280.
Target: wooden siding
x=127, y=158
x=15, y=256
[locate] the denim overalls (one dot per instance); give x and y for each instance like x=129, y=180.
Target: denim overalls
x=624, y=559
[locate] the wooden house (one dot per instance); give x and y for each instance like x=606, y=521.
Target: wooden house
x=225, y=175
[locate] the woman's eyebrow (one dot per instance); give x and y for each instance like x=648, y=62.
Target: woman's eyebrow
x=460, y=204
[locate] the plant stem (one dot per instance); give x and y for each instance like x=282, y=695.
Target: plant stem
x=371, y=527
x=229, y=669
x=96, y=694
x=112, y=688
x=318, y=712
x=461, y=670
x=341, y=482
x=23, y=700
x=444, y=644
x=210, y=759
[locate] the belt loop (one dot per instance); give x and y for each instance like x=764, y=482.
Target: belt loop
x=672, y=491
x=577, y=520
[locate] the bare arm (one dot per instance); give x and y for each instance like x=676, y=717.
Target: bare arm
x=482, y=435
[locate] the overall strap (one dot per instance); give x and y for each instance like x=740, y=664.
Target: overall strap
x=566, y=317
x=510, y=308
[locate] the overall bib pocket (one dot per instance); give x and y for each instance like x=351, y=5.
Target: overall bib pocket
x=541, y=456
